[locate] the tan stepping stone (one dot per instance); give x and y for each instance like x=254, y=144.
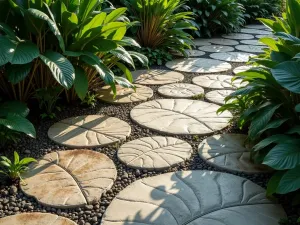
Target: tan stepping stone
x=255, y=31
x=180, y=116
x=201, y=41
x=217, y=82
x=198, y=65
x=232, y=56
x=154, y=153
x=223, y=41
x=252, y=42
x=256, y=26
x=69, y=179
x=238, y=36
x=218, y=96
x=89, y=131
x=216, y=48
x=124, y=95
x=190, y=53
x=35, y=219
x=241, y=69
x=196, y=197
x=228, y=151
x=156, y=77
x=250, y=48
x=180, y=90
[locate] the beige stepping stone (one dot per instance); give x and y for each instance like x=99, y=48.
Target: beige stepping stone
x=255, y=31
x=238, y=36
x=180, y=116
x=154, y=153
x=89, y=131
x=232, y=56
x=218, y=96
x=180, y=90
x=35, y=219
x=191, y=53
x=124, y=95
x=217, y=82
x=156, y=77
x=193, y=198
x=223, y=41
x=216, y=48
x=228, y=151
x=198, y=65
x=256, y=26
x=201, y=42
x=69, y=179
x=250, y=48
x=252, y=42
x=241, y=69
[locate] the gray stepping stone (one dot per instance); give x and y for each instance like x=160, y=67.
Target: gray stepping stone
x=201, y=42
x=156, y=77
x=228, y=151
x=241, y=69
x=154, y=153
x=124, y=95
x=232, y=56
x=217, y=82
x=198, y=65
x=216, y=48
x=238, y=36
x=191, y=53
x=89, y=131
x=250, y=48
x=256, y=26
x=218, y=96
x=35, y=218
x=180, y=90
x=252, y=42
x=255, y=31
x=263, y=36
x=196, y=197
x=69, y=179
x=180, y=116
x=223, y=41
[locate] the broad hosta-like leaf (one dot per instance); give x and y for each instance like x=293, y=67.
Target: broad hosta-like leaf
x=86, y=7
x=17, y=73
x=100, y=45
x=122, y=54
x=80, y=83
x=97, y=21
x=274, y=182
x=13, y=107
x=126, y=71
x=6, y=29
x=6, y=46
x=142, y=58
x=278, y=138
x=290, y=181
x=115, y=14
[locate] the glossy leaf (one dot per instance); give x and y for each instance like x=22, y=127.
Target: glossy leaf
x=290, y=181
x=17, y=73
x=80, y=83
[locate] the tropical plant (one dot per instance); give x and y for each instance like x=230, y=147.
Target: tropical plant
x=155, y=56
x=217, y=16
x=14, y=169
x=90, y=100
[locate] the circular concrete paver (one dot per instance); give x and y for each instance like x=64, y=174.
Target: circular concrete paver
x=223, y=41
x=180, y=90
x=154, y=153
x=228, y=151
x=232, y=56
x=89, y=131
x=217, y=82
x=191, y=53
x=266, y=36
x=250, y=48
x=156, y=77
x=180, y=116
x=238, y=36
x=69, y=179
x=201, y=42
x=256, y=26
x=252, y=42
x=124, y=95
x=216, y=48
x=196, y=197
x=35, y=218
x=241, y=69
x=198, y=65
x=218, y=96
x=255, y=31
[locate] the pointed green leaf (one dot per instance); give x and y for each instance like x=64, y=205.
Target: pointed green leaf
x=13, y=107
x=290, y=181
x=17, y=73
x=115, y=14
x=80, y=83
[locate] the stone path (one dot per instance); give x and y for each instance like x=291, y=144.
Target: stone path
x=154, y=153
x=250, y=48
x=193, y=198
x=191, y=53
x=180, y=90
x=241, y=69
x=217, y=82
x=216, y=48
x=255, y=31
x=232, y=56
x=238, y=36
x=218, y=96
x=252, y=42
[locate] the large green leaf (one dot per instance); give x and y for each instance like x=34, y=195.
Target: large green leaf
x=274, y=182
x=69, y=22
x=60, y=67
x=273, y=124
x=10, y=33
x=126, y=71
x=278, y=138
x=5, y=47
x=86, y=7
x=17, y=73
x=115, y=14
x=13, y=107
x=23, y=53
x=124, y=82
x=142, y=58
x=97, y=21
x=100, y=45
x=80, y=83
x=122, y=54
x=290, y=181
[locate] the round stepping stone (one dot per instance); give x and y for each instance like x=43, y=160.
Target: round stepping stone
x=201, y=42
x=252, y=42
x=263, y=36
x=238, y=36
x=228, y=151
x=124, y=95
x=35, y=219
x=256, y=26
x=156, y=77
x=89, y=131
x=255, y=31
x=198, y=65
x=223, y=41
x=218, y=96
x=232, y=56
x=217, y=82
x=154, y=153
x=196, y=197
x=180, y=90
x=216, y=48
x=69, y=179
x=250, y=48
x=180, y=116
x=191, y=53
x=241, y=69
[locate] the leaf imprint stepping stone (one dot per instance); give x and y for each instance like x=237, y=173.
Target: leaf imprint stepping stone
x=232, y=56
x=69, y=179
x=255, y=31
x=252, y=42
x=89, y=131
x=218, y=96
x=193, y=198
x=180, y=90
x=238, y=36
x=217, y=82
x=228, y=151
x=250, y=48
x=180, y=116
x=191, y=53
x=124, y=95
x=156, y=77
x=223, y=41
x=216, y=48
x=198, y=65
x=155, y=153
x=241, y=69
x=201, y=41
x=35, y=219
